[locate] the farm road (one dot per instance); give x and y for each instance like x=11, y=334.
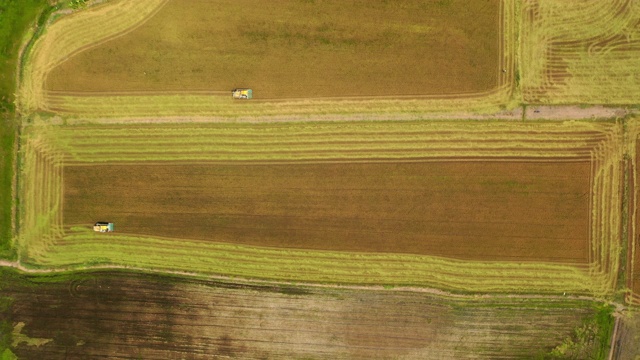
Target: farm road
x=533, y=112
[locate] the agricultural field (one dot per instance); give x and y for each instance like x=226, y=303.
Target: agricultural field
x=586, y=54
x=402, y=185
x=469, y=210
x=294, y=49
x=73, y=173
x=102, y=314
x=301, y=58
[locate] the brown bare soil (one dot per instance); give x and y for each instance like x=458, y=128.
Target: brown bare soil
x=132, y=316
x=298, y=49
x=497, y=210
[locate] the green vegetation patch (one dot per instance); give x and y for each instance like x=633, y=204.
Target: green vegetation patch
x=591, y=340
x=7, y=143
x=15, y=18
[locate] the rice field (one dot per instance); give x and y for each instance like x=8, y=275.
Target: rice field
x=585, y=53
x=48, y=241
x=469, y=210
x=482, y=50
x=294, y=49
x=307, y=223
x=543, y=51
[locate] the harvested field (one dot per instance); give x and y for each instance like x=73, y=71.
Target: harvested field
x=575, y=203
x=295, y=49
x=429, y=56
x=481, y=210
x=125, y=315
x=586, y=52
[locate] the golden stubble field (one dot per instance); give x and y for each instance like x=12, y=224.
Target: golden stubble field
x=298, y=49
x=580, y=52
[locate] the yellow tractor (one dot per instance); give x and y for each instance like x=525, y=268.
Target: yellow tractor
x=242, y=94
x=102, y=226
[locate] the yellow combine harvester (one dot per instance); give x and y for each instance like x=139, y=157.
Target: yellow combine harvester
x=103, y=227
x=242, y=93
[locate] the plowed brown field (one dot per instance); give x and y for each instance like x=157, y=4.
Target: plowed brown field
x=493, y=210
x=133, y=316
x=299, y=49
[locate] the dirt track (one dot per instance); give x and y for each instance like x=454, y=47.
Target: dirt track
x=568, y=112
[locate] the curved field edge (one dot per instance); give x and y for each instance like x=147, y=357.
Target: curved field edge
x=83, y=29
x=68, y=35
x=336, y=321
x=43, y=242
x=585, y=54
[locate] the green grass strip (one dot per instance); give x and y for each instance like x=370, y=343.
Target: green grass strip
x=81, y=247
x=16, y=16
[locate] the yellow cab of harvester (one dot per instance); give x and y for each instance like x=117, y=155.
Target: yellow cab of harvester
x=103, y=227
x=242, y=93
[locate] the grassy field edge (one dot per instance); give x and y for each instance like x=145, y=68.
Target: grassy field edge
x=15, y=24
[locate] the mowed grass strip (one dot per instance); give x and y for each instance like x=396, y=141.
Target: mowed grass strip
x=41, y=200
x=468, y=210
x=80, y=248
x=15, y=18
x=298, y=49
x=323, y=141
x=144, y=106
